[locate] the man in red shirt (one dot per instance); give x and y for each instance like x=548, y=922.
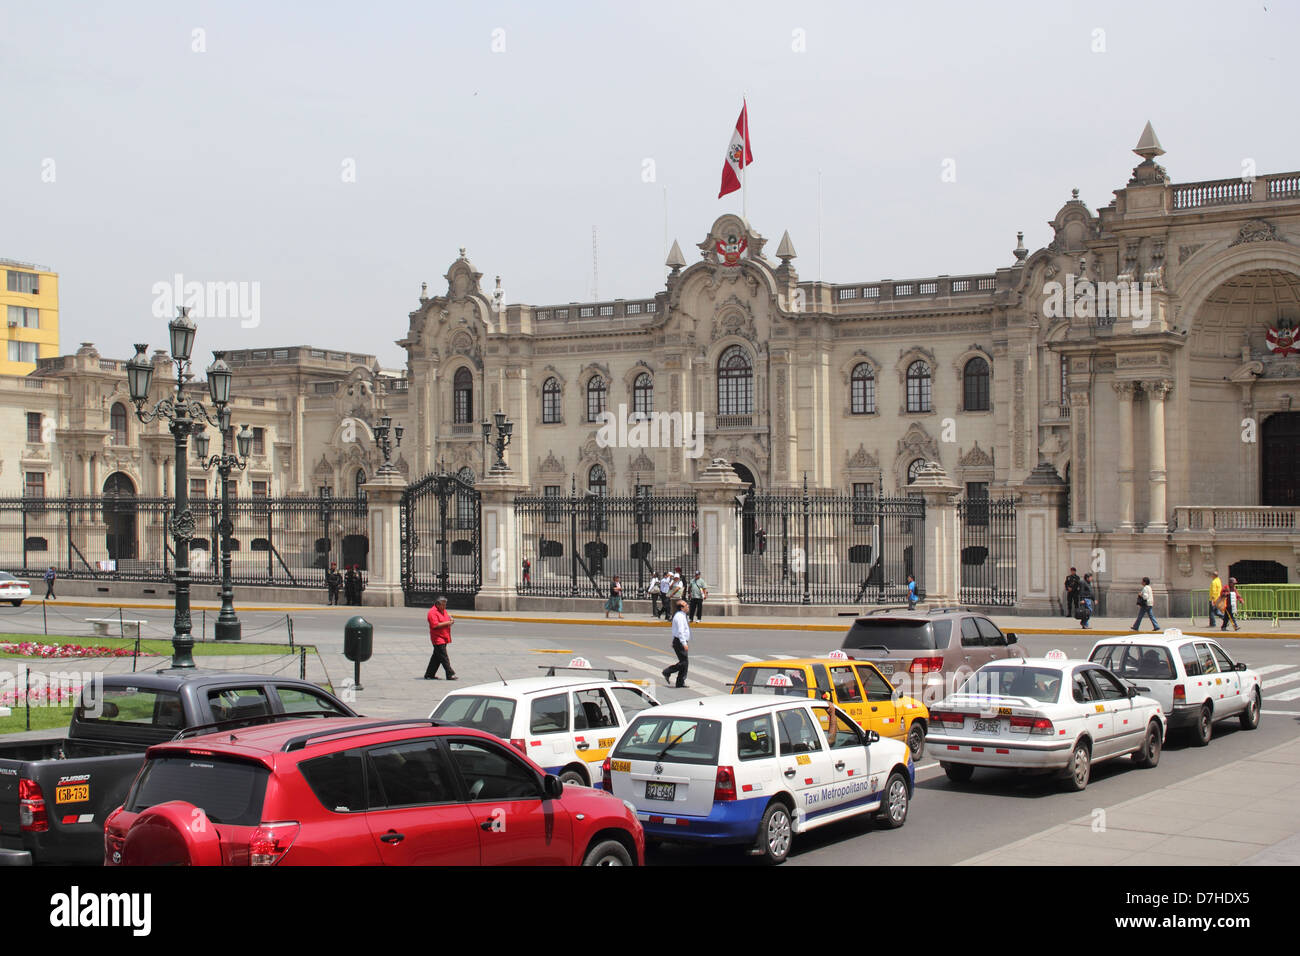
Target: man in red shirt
x=439, y=637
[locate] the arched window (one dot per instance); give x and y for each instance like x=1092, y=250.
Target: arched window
x=643, y=394
x=597, y=487
x=463, y=386
x=918, y=387
x=117, y=422
x=975, y=385
x=595, y=398
x=551, y=401
x=597, y=483
x=914, y=469
x=735, y=382
x=361, y=480
x=862, y=390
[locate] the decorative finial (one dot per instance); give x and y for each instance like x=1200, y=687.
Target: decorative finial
x=424, y=292
x=675, y=260
x=1020, y=251
x=785, y=251
x=462, y=252
x=1074, y=194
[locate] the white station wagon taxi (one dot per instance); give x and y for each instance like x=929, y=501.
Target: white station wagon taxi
x=755, y=770
x=1193, y=678
x=565, y=725
x=1047, y=714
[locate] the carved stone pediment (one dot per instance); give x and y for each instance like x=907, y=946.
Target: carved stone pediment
x=977, y=457
x=550, y=465
x=593, y=450
x=863, y=459
x=917, y=443
x=642, y=462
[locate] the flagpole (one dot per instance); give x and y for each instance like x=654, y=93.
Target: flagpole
x=744, y=155
x=819, y=226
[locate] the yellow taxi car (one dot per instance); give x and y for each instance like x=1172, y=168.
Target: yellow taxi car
x=856, y=687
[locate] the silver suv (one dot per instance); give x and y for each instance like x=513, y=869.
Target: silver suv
x=928, y=654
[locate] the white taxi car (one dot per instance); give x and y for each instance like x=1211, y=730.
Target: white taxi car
x=565, y=725
x=740, y=769
x=1193, y=678
x=14, y=590
x=1046, y=714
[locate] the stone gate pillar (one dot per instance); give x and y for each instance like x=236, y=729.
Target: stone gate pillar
x=501, y=553
x=716, y=491
x=384, y=526
x=1040, y=560
x=938, y=571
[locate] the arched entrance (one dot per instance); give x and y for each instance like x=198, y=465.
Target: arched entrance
x=747, y=526
x=1280, y=460
x=119, y=517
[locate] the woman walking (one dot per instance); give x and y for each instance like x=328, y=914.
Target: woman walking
x=615, y=602
x=1231, y=599
x=1144, y=602
x=1085, y=601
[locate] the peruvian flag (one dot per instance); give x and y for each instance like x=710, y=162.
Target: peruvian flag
x=739, y=154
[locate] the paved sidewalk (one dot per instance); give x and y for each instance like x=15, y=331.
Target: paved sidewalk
x=1245, y=813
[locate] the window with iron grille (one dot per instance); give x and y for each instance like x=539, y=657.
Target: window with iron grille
x=735, y=382
x=463, y=387
x=34, y=420
x=360, y=482
x=117, y=423
x=862, y=390
x=597, y=483
x=259, y=441
x=465, y=512
x=914, y=469
x=975, y=385
x=595, y=398
x=643, y=394
x=597, y=488
x=863, y=492
x=552, y=508
x=551, y=404
x=977, y=503
x=918, y=387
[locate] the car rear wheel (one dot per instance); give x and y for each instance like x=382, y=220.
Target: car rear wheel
x=608, y=853
x=916, y=740
x=775, y=833
x=1204, y=728
x=573, y=778
x=1079, y=770
x=958, y=772
x=16, y=603
x=1250, y=716
x=894, y=804
x=1149, y=755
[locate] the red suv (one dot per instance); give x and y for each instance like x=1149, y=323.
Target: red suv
x=361, y=792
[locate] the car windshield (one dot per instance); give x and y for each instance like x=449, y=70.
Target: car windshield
x=1042, y=684
x=776, y=680
x=893, y=634
x=228, y=791
x=692, y=741
x=493, y=715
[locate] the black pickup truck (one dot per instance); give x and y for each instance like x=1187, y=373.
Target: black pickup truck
x=55, y=792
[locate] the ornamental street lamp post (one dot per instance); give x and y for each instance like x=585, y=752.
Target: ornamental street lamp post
x=227, y=627
x=505, y=428
x=182, y=415
x=383, y=429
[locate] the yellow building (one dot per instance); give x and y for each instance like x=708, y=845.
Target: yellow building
x=29, y=305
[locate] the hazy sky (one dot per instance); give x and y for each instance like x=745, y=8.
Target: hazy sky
x=338, y=154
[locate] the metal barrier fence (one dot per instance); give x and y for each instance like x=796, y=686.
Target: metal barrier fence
x=1259, y=602
x=574, y=546
x=285, y=542
x=988, y=550
x=824, y=548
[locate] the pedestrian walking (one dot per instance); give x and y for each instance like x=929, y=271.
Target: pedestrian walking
x=1145, y=601
x=699, y=590
x=439, y=636
x=652, y=591
x=1216, y=589
x=676, y=590
x=665, y=585
x=333, y=583
x=681, y=645
x=1086, y=598
x=615, y=602
x=1071, y=593
x=528, y=573
x=1231, y=600
x=349, y=585
x=911, y=593
x=50, y=578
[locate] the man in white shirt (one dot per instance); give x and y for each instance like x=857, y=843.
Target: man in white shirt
x=653, y=592
x=665, y=584
x=681, y=644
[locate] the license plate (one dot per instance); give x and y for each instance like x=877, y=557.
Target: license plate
x=80, y=793
x=660, y=791
x=620, y=766
x=986, y=726
x=887, y=668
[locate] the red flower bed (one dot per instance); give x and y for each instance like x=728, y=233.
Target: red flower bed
x=34, y=649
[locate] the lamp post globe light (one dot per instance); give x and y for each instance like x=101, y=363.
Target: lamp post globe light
x=184, y=416
x=227, y=627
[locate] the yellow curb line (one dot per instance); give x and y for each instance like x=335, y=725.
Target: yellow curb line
x=661, y=624
x=169, y=607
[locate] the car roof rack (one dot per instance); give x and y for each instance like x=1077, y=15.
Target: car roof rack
x=949, y=609
x=301, y=741
x=251, y=720
x=883, y=610
x=552, y=668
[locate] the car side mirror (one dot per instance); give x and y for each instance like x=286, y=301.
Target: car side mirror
x=1011, y=637
x=552, y=787
x=1132, y=692
x=872, y=737
x=1241, y=665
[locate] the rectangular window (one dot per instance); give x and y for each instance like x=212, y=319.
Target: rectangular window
x=34, y=420
x=551, y=509
x=977, y=503
x=261, y=489
x=23, y=282
x=23, y=352
x=34, y=484
x=232, y=488
x=21, y=316
x=863, y=492
x=198, y=489
x=259, y=441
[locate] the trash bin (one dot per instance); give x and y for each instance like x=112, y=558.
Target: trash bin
x=358, y=639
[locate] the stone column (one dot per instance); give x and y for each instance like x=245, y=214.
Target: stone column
x=938, y=573
x=1039, y=559
x=501, y=551
x=384, y=524
x=716, y=491
x=1157, y=520
x=1124, y=390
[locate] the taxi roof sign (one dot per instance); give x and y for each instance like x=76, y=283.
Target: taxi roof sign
x=838, y=655
x=779, y=680
x=1054, y=655
x=1173, y=634
x=580, y=663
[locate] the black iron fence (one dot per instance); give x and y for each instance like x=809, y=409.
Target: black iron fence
x=988, y=550
x=285, y=542
x=574, y=546
x=820, y=547
x=442, y=537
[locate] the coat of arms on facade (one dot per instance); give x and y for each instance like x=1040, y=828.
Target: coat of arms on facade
x=1282, y=338
x=731, y=249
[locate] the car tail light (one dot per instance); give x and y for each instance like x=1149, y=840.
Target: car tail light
x=606, y=777
x=945, y=717
x=1035, y=725
x=724, y=787
x=520, y=744
x=926, y=665
x=1180, y=693
x=31, y=807
x=270, y=842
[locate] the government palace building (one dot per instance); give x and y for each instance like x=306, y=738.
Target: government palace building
x=1146, y=354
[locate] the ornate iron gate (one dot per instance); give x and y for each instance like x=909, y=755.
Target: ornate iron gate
x=988, y=550
x=442, y=519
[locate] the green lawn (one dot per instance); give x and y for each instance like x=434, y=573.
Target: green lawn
x=43, y=718
x=147, y=646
